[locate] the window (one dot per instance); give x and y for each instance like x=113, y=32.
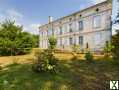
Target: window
x=60, y=41
x=80, y=40
x=60, y=30
x=97, y=38
x=80, y=25
x=47, y=32
x=70, y=28
x=42, y=34
x=97, y=21
x=70, y=19
x=71, y=41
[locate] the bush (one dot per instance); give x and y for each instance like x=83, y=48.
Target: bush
x=14, y=41
x=115, y=43
x=52, y=42
x=108, y=49
x=45, y=60
x=89, y=56
x=76, y=48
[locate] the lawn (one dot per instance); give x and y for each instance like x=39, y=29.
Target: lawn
x=72, y=75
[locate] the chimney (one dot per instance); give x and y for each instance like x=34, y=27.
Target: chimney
x=50, y=19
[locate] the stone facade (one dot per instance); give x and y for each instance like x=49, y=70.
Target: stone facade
x=91, y=25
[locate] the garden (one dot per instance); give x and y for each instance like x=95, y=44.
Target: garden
x=52, y=70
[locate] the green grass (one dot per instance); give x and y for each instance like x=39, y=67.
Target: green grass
x=73, y=75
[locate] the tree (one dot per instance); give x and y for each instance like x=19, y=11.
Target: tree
x=108, y=48
x=115, y=43
x=13, y=40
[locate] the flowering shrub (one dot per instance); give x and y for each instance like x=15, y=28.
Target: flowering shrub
x=45, y=60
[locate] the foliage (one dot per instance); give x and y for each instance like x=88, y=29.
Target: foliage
x=89, y=56
x=36, y=40
x=115, y=43
x=0, y=67
x=46, y=60
x=108, y=48
x=14, y=41
x=75, y=48
x=52, y=42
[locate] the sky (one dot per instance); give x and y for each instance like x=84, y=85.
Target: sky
x=33, y=13
x=115, y=11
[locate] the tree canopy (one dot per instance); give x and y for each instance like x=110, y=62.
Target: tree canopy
x=115, y=43
x=14, y=41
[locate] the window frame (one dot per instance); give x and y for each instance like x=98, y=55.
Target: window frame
x=60, y=31
x=81, y=38
x=70, y=28
x=71, y=41
x=99, y=23
x=80, y=25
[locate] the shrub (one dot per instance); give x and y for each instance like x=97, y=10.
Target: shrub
x=52, y=42
x=45, y=60
x=14, y=41
x=89, y=56
x=75, y=48
x=108, y=49
x=115, y=43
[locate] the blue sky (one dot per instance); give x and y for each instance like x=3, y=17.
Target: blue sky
x=32, y=13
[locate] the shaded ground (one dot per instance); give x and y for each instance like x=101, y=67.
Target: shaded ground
x=73, y=75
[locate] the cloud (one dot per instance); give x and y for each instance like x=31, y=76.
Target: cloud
x=2, y=18
x=35, y=26
x=19, y=20
x=32, y=28
x=97, y=1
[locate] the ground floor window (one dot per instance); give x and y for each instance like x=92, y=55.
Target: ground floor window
x=60, y=41
x=80, y=40
x=71, y=41
x=97, y=38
